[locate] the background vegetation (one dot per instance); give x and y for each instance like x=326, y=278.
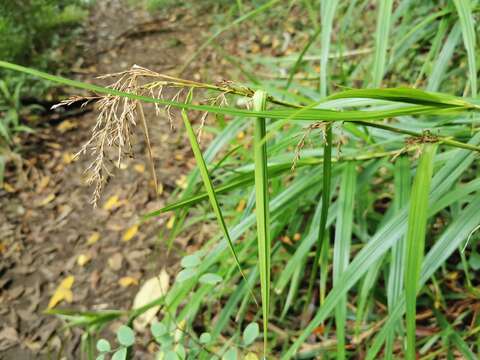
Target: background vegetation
x=353, y=214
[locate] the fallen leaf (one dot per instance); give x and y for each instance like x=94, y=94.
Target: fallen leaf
x=8, y=188
x=286, y=240
x=68, y=158
x=63, y=292
x=127, y=281
x=83, y=259
x=241, y=135
x=115, y=261
x=319, y=330
x=111, y=203
x=170, y=222
x=93, y=238
x=181, y=182
x=159, y=189
x=43, y=183
x=130, y=233
x=46, y=200
x=140, y=168
x=66, y=125
x=54, y=145
x=152, y=289
x=241, y=205
x=16, y=292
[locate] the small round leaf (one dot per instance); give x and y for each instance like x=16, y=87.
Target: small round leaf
x=250, y=333
x=210, y=279
x=125, y=336
x=171, y=355
x=100, y=357
x=205, y=338
x=231, y=354
x=103, y=345
x=191, y=261
x=180, y=350
x=158, y=329
x=165, y=341
x=186, y=274
x=120, y=354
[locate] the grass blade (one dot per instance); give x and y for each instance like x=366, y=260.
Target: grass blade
x=341, y=248
x=327, y=12
x=465, y=14
x=202, y=166
x=381, y=41
x=327, y=178
x=381, y=242
x=453, y=237
x=443, y=60
x=397, y=270
x=262, y=209
x=415, y=240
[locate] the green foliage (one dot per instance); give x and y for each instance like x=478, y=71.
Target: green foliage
x=125, y=336
x=29, y=28
x=250, y=333
x=385, y=260
x=10, y=112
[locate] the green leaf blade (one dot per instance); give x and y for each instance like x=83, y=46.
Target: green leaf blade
x=415, y=239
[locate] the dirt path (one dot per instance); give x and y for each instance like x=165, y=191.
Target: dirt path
x=49, y=230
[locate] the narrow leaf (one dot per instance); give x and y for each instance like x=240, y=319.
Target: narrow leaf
x=341, y=249
x=207, y=182
x=415, y=239
x=262, y=209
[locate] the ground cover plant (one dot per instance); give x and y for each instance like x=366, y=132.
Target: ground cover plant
x=33, y=33
x=347, y=211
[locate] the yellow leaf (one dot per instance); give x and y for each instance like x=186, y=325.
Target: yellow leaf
x=182, y=182
x=111, y=203
x=127, y=281
x=66, y=125
x=8, y=188
x=251, y=356
x=43, y=183
x=140, y=168
x=68, y=158
x=152, y=289
x=170, y=222
x=63, y=292
x=241, y=205
x=92, y=239
x=240, y=135
x=130, y=233
x=83, y=259
x=160, y=189
x=46, y=200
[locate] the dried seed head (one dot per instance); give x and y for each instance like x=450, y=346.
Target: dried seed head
x=301, y=144
x=117, y=115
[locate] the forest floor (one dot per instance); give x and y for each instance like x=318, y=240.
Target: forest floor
x=49, y=230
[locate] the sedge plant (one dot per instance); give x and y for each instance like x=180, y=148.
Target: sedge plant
x=364, y=234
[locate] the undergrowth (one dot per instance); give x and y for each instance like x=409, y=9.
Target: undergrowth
x=369, y=246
